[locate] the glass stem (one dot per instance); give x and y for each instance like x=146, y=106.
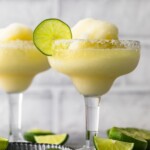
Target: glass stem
x=92, y=105
x=15, y=113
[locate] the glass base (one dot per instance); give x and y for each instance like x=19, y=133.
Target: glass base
x=86, y=148
x=16, y=138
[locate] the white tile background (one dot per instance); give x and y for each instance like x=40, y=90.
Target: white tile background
x=52, y=102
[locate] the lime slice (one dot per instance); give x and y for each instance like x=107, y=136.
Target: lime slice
x=29, y=135
x=109, y=144
x=52, y=139
x=125, y=135
x=47, y=32
x=3, y=143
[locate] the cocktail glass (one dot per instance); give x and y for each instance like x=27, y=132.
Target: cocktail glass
x=20, y=61
x=93, y=65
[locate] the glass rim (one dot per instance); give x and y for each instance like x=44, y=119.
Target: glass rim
x=96, y=40
x=17, y=44
x=16, y=41
x=127, y=43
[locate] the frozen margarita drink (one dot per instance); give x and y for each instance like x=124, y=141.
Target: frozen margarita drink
x=20, y=60
x=95, y=57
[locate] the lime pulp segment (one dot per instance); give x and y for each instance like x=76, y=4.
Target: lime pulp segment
x=47, y=32
x=109, y=144
x=52, y=139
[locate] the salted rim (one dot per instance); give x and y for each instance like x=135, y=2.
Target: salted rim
x=126, y=43
x=21, y=44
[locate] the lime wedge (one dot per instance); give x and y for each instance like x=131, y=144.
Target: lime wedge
x=29, y=135
x=47, y=32
x=52, y=139
x=3, y=143
x=109, y=144
x=145, y=134
x=123, y=134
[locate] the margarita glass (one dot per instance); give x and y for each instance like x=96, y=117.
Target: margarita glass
x=20, y=61
x=93, y=65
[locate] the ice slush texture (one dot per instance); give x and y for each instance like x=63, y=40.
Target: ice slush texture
x=94, y=29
